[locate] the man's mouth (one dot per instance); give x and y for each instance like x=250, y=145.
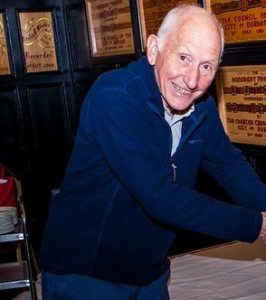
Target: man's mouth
x=180, y=90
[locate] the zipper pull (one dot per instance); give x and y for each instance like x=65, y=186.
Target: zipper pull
x=174, y=172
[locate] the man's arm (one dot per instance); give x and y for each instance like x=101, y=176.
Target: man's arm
x=224, y=162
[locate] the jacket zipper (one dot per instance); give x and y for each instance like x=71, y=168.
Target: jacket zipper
x=174, y=171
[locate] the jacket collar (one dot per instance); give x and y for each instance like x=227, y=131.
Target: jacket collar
x=154, y=95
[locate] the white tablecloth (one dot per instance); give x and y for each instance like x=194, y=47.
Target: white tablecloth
x=231, y=271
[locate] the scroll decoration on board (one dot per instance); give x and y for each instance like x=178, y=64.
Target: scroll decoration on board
x=110, y=27
x=4, y=60
x=152, y=13
x=242, y=103
x=38, y=41
x=242, y=20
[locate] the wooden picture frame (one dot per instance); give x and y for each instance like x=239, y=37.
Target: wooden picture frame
x=4, y=57
x=242, y=20
x=241, y=92
x=38, y=41
x=110, y=27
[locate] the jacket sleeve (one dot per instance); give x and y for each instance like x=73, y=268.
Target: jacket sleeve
x=229, y=167
x=119, y=123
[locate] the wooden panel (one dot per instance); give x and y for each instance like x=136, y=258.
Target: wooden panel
x=82, y=87
x=12, y=143
x=9, y=119
x=48, y=114
x=51, y=140
x=78, y=37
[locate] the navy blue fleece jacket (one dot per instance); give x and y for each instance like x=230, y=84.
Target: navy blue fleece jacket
x=121, y=200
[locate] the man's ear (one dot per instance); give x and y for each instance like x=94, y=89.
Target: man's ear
x=152, y=48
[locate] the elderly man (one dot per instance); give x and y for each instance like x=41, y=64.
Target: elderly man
x=144, y=132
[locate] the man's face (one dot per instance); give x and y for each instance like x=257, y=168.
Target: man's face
x=187, y=63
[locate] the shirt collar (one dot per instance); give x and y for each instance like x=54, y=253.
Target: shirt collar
x=173, y=118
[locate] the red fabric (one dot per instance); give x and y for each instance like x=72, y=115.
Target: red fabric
x=8, y=189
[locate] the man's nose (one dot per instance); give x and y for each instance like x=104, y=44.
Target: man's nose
x=192, y=78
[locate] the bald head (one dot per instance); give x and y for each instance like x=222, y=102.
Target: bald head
x=199, y=20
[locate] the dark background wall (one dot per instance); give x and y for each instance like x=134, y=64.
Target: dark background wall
x=39, y=111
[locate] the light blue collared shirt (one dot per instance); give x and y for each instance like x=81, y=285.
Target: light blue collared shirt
x=175, y=122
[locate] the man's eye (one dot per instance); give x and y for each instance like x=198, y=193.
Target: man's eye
x=207, y=68
x=183, y=58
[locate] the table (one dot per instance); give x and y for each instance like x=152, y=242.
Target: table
x=230, y=271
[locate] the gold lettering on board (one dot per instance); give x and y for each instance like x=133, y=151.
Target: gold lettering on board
x=38, y=42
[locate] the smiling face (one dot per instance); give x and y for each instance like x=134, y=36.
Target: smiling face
x=186, y=65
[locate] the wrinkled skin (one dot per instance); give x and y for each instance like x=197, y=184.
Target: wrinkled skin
x=187, y=62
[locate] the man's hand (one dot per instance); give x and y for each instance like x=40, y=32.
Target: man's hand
x=262, y=235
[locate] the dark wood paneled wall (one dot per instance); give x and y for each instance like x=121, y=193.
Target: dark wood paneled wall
x=39, y=111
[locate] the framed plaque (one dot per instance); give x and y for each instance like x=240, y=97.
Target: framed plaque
x=242, y=20
x=152, y=13
x=242, y=103
x=38, y=41
x=4, y=60
x=110, y=27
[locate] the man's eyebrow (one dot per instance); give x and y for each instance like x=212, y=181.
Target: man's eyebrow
x=212, y=61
